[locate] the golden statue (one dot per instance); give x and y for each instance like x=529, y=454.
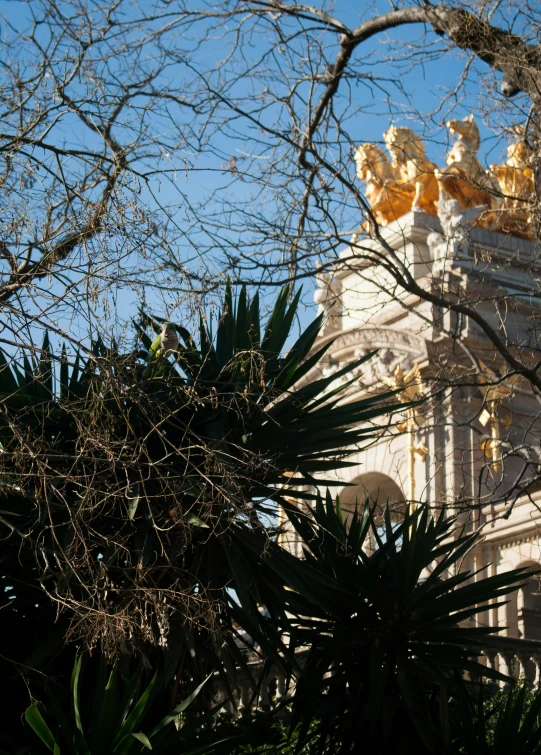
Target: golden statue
x=464, y=178
x=404, y=183
x=411, y=387
x=388, y=201
x=516, y=183
x=412, y=168
x=410, y=181
x=495, y=392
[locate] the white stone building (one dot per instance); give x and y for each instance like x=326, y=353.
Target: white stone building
x=482, y=466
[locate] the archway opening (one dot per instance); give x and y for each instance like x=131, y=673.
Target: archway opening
x=378, y=490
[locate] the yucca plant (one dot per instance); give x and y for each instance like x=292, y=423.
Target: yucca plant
x=381, y=614
x=133, y=500
x=384, y=615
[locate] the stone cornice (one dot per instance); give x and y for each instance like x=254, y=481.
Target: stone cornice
x=503, y=543
x=415, y=227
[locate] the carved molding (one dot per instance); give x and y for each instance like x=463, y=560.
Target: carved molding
x=501, y=545
x=374, y=337
x=395, y=347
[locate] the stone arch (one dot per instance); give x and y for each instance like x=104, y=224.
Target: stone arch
x=377, y=488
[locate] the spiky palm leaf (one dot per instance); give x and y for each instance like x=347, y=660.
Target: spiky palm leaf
x=386, y=620
x=142, y=498
x=108, y=717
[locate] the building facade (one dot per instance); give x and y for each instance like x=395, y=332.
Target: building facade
x=473, y=445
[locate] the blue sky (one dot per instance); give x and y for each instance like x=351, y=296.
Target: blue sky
x=424, y=85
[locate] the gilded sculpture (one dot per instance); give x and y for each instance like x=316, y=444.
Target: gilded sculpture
x=411, y=389
x=464, y=178
x=412, y=167
x=403, y=183
x=494, y=391
x=387, y=199
x=408, y=180
x=516, y=184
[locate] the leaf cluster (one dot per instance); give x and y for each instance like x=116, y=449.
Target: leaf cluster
x=134, y=507
x=386, y=618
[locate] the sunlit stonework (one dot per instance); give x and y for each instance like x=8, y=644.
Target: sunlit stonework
x=407, y=180
x=460, y=233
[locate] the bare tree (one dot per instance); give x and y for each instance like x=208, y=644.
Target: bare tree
x=150, y=153
x=159, y=151
x=85, y=94
x=315, y=78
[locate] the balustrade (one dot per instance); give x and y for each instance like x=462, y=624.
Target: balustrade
x=260, y=689
x=519, y=659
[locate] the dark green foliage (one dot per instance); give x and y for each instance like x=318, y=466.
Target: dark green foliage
x=508, y=722
x=138, y=519
x=480, y=722
x=136, y=510
x=381, y=615
x=379, y=609
x=108, y=717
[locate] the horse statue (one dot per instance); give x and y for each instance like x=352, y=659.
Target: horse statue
x=389, y=198
x=408, y=180
x=464, y=178
x=412, y=169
